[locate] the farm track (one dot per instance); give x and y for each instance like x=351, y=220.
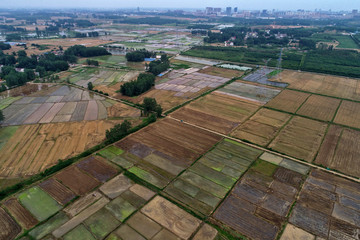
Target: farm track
x=269, y=151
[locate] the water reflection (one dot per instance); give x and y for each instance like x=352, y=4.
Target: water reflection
x=24, y=90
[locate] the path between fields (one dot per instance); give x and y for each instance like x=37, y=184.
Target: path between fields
x=269, y=151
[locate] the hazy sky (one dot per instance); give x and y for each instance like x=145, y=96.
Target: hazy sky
x=242, y=4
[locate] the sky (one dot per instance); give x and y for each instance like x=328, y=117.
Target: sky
x=241, y=4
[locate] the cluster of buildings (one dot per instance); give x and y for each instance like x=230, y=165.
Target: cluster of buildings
x=273, y=14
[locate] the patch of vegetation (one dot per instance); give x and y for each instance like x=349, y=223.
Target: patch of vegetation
x=339, y=62
x=4, y=46
x=82, y=51
x=138, y=55
x=150, y=106
x=134, y=88
x=92, y=62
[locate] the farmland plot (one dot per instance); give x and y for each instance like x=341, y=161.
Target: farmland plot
x=57, y=104
x=258, y=205
x=319, y=107
x=327, y=207
x=341, y=87
x=217, y=112
x=205, y=183
x=250, y=92
x=221, y=72
x=98, y=76
x=191, y=81
x=348, y=114
x=340, y=150
x=261, y=76
x=9, y=229
x=158, y=153
x=20, y=213
x=288, y=101
x=33, y=148
x=300, y=138
x=262, y=127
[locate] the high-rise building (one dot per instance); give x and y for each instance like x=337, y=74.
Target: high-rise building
x=235, y=9
x=217, y=10
x=209, y=10
x=228, y=11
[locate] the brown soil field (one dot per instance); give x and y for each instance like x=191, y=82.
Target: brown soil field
x=228, y=107
x=21, y=214
x=175, y=139
x=222, y=72
x=288, y=101
x=97, y=168
x=9, y=229
x=34, y=148
x=300, y=138
x=217, y=112
x=119, y=110
x=262, y=127
x=335, y=86
x=55, y=43
x=348, y=114
x=319, y=107
x=165, y=98
x=79, y=182
x=58, y=191
x=340, y=150
x=204, y=120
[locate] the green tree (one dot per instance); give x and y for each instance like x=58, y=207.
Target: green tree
x=118, y=131
x=21, y=53
x=150, y=105
x=90, y=86
x=1, y=116
x=30, y=74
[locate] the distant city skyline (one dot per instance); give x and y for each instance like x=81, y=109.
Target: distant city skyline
x=334, y=5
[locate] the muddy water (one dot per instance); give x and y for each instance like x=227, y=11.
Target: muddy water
x=23, y=90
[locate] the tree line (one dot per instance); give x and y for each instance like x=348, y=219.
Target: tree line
x=134, y=88
x=139, y=55
x=44, y=64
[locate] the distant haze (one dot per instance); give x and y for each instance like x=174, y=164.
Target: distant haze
x=334, y=5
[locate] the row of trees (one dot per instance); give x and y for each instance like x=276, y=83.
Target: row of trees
x=82, y=51
x=138, y=55
x=152, y=110
x=4, y=46
x=92, y=62
x=134, y=88
x=84, y=35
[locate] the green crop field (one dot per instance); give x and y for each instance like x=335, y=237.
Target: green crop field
x=6, y=133
x=7, y=101
x=39, y=203
x=346, y=42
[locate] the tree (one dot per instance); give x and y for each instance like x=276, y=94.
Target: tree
x=30, y=74
x=21, y=53
x=90, y=86
x=41, y=70
x=4, y=46
x=118, y=131
x=134, y=88
x=150, y=105
x=1, y=116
